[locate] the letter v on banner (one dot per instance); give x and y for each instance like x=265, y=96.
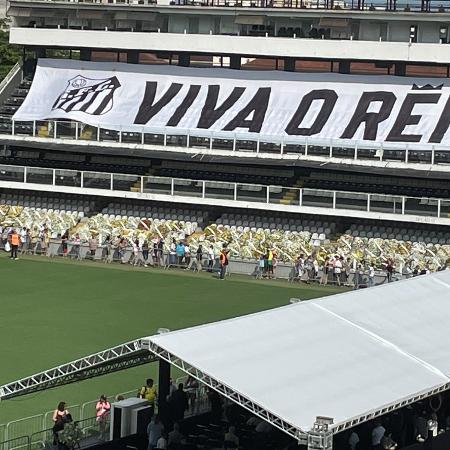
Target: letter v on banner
x=148, y=108
x=210, y=114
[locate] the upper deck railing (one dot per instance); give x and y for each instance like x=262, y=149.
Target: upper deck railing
x=355, y=5
x=232, y=194
x=246, y=145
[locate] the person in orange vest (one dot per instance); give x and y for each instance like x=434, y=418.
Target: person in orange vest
x=15, y=242
x=223, y=259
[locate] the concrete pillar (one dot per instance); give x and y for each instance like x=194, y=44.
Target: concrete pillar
x=132, y=57
x=85, y=54
x=344, y=67
x=40, y=52
x=184, y=59
x=235, y=62
x=289, y=64
x=400, y=69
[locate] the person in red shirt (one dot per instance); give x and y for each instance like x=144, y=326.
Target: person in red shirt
x=223, y=259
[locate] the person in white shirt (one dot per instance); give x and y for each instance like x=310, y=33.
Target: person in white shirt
x=371, y=275
x=187, y=255
x=211, y=258
x=377, y=435
x=338, y=270
x=161, y=444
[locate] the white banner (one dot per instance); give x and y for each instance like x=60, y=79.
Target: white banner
x=131, y=97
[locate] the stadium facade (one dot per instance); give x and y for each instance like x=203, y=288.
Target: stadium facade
x=269, y=114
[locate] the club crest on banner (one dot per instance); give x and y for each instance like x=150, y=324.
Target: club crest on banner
x=88, y=95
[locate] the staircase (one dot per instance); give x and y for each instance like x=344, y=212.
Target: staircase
x=137, y=186
x=291, y=195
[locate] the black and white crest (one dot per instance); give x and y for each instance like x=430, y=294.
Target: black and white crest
x=89, y=95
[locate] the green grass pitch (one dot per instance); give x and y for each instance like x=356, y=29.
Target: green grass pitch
x=54, y=311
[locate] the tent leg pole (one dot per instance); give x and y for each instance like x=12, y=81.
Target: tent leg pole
x=163, y=389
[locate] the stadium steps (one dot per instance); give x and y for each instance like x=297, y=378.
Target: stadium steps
x=137, y=186
x=289, y=197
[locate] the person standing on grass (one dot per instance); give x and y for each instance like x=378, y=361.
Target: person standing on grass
x=338, y=269
x=145, y=249
x=14, y=239
x=45, y=239
x=223, y=262
x=93, y=244
x=155, y=252
x=173, y=253
x=198, y=258
x=23, y=239
x=187, y=255
x=211, y=258
x=34, y=242
x=64, y=239
x=270, y=258
x=161, y=243
x=76, y=247
x=107, y=245
x=371, y=275
x=180, y=253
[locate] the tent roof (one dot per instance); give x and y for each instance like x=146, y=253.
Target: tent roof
x=349, y=356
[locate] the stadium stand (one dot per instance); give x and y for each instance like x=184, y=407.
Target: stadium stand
x=249, y=235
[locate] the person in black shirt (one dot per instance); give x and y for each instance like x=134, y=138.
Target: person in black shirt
x=178, y=404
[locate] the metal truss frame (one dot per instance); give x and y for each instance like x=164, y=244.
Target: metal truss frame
x=314, y=439
x=120, y=357
x=229, y=393
x=337, y=428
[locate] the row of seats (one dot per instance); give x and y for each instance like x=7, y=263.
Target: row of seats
x=285, y=223
x=135, y=210
x=223, y=175
x=48, y=202
x=12, y=104
x=376, y=188
x=401, y=234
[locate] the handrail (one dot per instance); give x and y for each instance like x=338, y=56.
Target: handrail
x=107, y=176
x=9, y=76
x=279, y=4
x=355, y=204
x=72, y=130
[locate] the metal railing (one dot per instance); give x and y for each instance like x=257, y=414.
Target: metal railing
x=33, y=425
x=116, y=184
x=388, y=5
x=229, y=143
x=91, y=433
x=18, y=443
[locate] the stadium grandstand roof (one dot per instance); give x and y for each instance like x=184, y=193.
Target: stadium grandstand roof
x=349, y=357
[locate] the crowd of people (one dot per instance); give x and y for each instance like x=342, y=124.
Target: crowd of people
x=226, y=425
x=416, y=423
x=67, y=433
x=324, y=269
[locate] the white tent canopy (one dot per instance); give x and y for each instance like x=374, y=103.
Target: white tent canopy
x=349, y=356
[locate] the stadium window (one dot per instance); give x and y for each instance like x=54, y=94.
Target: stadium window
x=443, y=33
x=413, y=33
